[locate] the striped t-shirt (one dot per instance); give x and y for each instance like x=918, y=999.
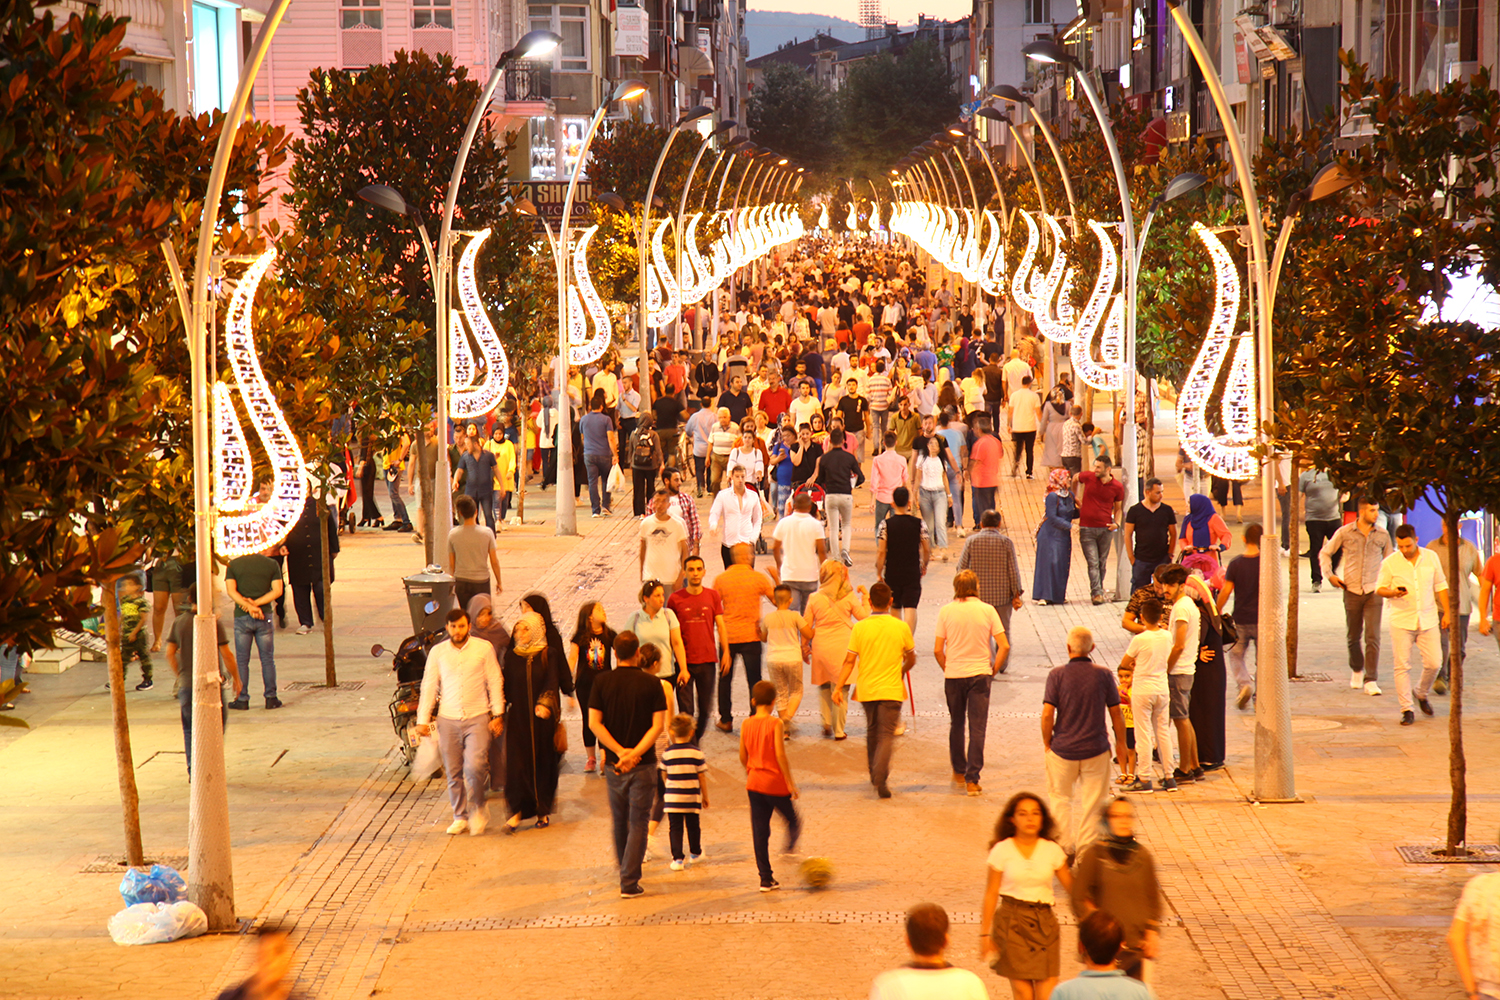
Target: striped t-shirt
x=681, y=765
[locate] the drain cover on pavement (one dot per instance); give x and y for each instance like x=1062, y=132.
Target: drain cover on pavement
x=1426, y=854
x=114, y=864
x=315, y=686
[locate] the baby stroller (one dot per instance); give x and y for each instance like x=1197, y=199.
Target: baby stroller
x=814, y=491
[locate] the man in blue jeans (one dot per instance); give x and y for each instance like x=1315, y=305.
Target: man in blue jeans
x=253, y=583
x=180, y=658
x=967, y=629
x=598, y=433
x=627, y=709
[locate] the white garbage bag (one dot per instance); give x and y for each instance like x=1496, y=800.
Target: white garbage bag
x=157, y=923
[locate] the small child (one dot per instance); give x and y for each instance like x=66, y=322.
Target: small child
x=786, y=651
x=686, y=777
x=768, y=780
x=133, y=612
x=1126, y=671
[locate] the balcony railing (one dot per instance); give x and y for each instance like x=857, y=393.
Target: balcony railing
x=528, y=83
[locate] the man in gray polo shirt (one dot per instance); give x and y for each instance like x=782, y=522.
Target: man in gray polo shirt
x=1365, y=547
x=471, y=554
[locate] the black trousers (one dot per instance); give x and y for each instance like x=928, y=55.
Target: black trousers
x=749, y=654
x=642, y=487
x=675, y=824
x=583, y=686
x=697, y=695
x=1319, y=532
x=303, y=596
x=1026, y=440
x=761, y=808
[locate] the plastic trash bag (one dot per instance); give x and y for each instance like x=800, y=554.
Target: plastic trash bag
x=427, y=761
x=159, y=885
x=613, y=482
x=157, y=923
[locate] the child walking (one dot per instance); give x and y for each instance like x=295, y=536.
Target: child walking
x=133, y=611
x=786, y=651
x=768, y=780
x=686, y=776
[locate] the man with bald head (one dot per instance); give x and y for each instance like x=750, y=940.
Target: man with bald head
x=1079, y=704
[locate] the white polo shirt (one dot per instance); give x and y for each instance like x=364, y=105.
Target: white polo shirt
x=1422, y=579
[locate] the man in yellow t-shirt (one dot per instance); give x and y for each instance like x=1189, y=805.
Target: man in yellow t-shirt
x=882, y=646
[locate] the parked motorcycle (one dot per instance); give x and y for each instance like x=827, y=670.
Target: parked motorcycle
x=409, y=666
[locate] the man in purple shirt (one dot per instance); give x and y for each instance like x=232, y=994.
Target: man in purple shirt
x=1078, y=698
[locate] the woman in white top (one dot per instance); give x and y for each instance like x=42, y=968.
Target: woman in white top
x=1020, y=939
x=933, y=497
x=655, y=623
x=750, y=455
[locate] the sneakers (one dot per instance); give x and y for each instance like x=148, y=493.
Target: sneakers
x=1142, y=785
x=1244, y=696
x=1439, y=686
x=1371, y=688
x=304, y=629
x=590, y=764
x=635, y=893
x=1356, y=680
x=677, y=865
x=1168, y=785
x=1182, y=776
x=457, y=826
x=1097, y=599
x=477, y=825
x=241, y=704
x=146, y=685
x=1198, y=774
x=695, y=858
x=958, y=779
x=1408, y=719
x=273, y=703
x=724, y=727
x=1422, y=703
x=1317, y=586
x=769, y=885
x=972, y=789
x=900, y=729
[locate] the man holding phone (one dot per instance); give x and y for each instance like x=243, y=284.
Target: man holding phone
x=1412, y=579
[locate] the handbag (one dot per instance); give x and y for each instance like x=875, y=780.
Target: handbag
x=1227, y=630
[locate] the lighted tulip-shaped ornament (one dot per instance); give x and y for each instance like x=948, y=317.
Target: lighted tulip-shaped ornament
x=1225, y=453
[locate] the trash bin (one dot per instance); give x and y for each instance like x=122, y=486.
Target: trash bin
x=430, y=587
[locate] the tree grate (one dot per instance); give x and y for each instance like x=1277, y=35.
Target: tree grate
x=318, y=686
x=1426, y=854
x=1312, y=678
x=114, y=864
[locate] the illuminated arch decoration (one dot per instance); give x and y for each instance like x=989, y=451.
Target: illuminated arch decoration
x=987, y=278
x=852, y=220
x=1020, y=281
x=461, y=368
x=1225, y=453
x=1046, y=294
x=582, y=296
x=669, y=299
x=1100, y=374
x=238, y=534
x=823, y=220
x=471, y=398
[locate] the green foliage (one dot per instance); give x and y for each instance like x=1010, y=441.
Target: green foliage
x=889, y=105
x=624, y=153
x=796, y=115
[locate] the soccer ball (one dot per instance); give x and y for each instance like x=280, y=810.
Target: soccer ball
x=817, y=873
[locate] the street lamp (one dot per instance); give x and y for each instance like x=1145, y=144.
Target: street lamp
x=727, y=125
x=1274, y=772
x=1182, y=184
x=996, y=115
x=1327, y=182
x=1006, y=92
x=1044, y=51
x=643, y=265
x=567, y=514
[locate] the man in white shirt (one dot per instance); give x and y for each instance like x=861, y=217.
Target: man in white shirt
x=799, y=546
x=1025, y=410
x=805, y=405
x=928, y=976
x=664, y=543
x=1150, y=697
x=828, y=320
x=463, y=679
x=1413, y=581
x=967, y=629
x=1015, y=370
x=1184, y=624
x=738, y=511
x=605, y=379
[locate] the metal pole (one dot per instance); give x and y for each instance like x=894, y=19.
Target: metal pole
x=210, y=869
x=1057, y=158
x=644, y=363
x=1036, y=178
x=687, y=186
x=567, y=514
x=1275, y=780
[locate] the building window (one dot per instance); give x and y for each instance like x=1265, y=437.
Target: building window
x=360, y=14
x=572, y=23
x=1038, y=11
x=431, y=12
x=215, y=58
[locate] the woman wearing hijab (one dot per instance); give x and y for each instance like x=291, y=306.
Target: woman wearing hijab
x=1054, y=540
x=369, y=513
x=1050, y=428
x=828, y=620
x=484, y=624
x=1210, y=680
x=590, y=653
x=533, y=707
x=1204, y=535
x=1117, y=874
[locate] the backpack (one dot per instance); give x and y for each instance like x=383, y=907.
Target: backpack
x=640, y=450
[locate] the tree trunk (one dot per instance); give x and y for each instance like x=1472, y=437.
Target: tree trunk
x=1150, y=469
x=1293, y=542
x=130, y=799
x=523, y=467
x=1458, y=807
x=426, y=470
x=329, y=672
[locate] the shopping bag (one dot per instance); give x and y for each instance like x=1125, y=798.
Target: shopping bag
x=613, y=482
x=428, y=760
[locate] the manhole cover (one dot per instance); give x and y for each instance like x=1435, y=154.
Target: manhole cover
x=1426, y=854
x=316, y=686
x=114, y=864
x=1314, y=678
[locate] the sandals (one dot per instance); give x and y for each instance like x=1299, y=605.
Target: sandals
x=543, y=823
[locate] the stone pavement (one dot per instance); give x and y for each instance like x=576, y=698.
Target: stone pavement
x=1298, y=900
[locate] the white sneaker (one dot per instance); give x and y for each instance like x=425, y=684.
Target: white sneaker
x=457, y=826
x=677, y=866
x=1356, y=680
x=648, y=855
x=1372, y=688
x=476, y=826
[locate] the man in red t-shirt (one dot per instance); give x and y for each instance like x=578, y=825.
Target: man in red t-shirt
x=775, y=398
x=705, y=642
x=1099, y=498
x=983, y=469
x=862, y=331
x=676, y=373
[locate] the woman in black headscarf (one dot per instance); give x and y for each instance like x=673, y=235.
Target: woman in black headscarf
x=534, y=677
x=1117, y=874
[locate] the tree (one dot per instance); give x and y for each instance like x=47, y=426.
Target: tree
x=1395, y=399
x=795, y=114
x=889, y=105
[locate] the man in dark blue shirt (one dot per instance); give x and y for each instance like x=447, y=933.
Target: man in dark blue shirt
x=598, y=433
x=1079, y=696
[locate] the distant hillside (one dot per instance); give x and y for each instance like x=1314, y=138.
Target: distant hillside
x=767, y=30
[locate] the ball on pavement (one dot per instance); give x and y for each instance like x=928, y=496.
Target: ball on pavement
x=817, y=872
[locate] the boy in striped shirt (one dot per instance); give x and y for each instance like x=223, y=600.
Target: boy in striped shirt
x=685, y=777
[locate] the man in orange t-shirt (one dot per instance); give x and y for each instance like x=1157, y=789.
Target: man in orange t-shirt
x=741, y=588
x=983, y=468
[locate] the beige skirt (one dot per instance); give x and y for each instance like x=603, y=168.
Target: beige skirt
x=1026, y=940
